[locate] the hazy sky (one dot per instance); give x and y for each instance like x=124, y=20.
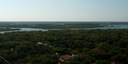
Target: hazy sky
x=63, y=10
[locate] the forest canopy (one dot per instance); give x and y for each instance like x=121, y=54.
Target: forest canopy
x=41, y=47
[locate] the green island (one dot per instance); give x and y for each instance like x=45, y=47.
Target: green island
x=7, y=29
x=50, y=25
x=65, y=26
x=65, y=47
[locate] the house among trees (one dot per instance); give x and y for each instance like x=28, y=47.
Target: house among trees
x=39, y=43
x=98, y=49
x=114, y=62
x=68, y=57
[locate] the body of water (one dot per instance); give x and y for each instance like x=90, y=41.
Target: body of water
x=105, y=27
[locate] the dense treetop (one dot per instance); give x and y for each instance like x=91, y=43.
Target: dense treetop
x=22, y=47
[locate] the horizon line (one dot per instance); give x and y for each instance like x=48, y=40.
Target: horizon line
x=69, y=21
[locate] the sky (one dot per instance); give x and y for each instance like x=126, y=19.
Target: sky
x=63, y=10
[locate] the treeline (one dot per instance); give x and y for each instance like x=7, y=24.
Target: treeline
x=41, y=47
